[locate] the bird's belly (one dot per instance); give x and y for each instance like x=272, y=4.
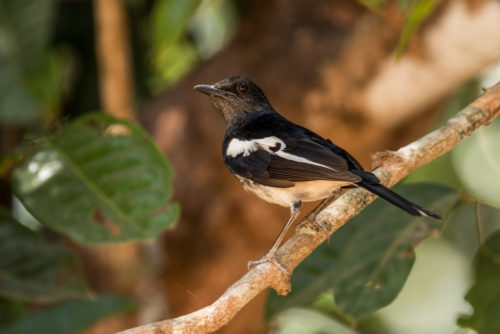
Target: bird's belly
x=301, y=191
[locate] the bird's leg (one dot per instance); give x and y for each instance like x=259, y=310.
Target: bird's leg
x=270, y=256
x=311, y=216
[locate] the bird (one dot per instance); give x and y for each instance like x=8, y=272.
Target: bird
x=284, y=163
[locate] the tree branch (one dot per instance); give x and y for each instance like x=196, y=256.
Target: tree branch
x=392, y=167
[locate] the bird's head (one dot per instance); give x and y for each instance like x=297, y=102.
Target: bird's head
x=236, y=98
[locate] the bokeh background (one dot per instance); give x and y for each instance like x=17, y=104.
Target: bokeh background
x=371, y=75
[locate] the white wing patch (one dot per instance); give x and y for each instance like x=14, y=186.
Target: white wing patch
x=237, y=147
x=272, y=145
x=245, y=147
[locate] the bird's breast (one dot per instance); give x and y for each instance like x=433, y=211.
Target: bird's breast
x=301, y=191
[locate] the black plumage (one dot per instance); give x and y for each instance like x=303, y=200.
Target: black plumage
x=299, y=142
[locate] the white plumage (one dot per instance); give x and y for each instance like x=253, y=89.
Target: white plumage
x=272, y=145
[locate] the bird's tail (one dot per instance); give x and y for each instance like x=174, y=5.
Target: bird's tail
x=398, y=200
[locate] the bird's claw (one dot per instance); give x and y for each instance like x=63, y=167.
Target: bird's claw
x=269, y=258
x=310, y=221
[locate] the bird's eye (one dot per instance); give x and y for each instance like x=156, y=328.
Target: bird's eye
x=242, y=87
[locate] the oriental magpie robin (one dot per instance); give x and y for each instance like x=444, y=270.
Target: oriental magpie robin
x=284, y=163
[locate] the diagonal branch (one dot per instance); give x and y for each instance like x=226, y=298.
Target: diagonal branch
x=392, y=167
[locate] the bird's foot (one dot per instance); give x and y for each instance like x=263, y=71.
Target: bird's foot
x=270, y=257
x=310, y=222
x=282, y=284
x=310, y=219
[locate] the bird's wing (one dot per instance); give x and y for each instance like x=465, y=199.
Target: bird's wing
x=282, y=160
x=352, y=164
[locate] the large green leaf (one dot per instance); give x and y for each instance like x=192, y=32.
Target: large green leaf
x=30, y=72
x=484, y=295
x=477, y=162
x=69, y=318
x=35, y=270
x=98, y=180
x=368, y=260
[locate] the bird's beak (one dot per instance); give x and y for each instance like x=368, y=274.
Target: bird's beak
x=208, y=90
x=211, y=90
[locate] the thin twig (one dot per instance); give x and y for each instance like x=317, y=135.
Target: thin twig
x=392, y=167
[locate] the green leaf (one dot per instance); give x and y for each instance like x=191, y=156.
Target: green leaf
x=35, y=270
x=98, y=180
x=484, y=295
x=171, y=63
x=438, y=171
x=69, y=318
x=421, y=10
x=376, y=5
x=477, y=163
x=11, y=311
x=373, y=4
x=368, y=260
x=30, y=72
x=467, y=223
x=209, y=37
x=308, y=321
x=169, y=19
x=173, y=55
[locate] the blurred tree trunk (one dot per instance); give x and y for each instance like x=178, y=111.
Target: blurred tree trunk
x=113, y=54
x=319, y=63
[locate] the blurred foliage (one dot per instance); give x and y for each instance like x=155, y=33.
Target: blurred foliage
x=68, y=318
x=373, y=4
x=31, y=72
x=11, y=310
x=415, y=16
x=96, y=179
x=442, y=170
x=460, y=167
x=173, y=54
x=414, y=11
x=469, y=225
x=185, y=31
x=477, y=162
x=367, y=273
x=307, y=320
x=484, y=295
x=33, y=269
x=109, y=180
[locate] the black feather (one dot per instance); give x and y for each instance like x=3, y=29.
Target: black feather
x=399, y=201
x=299, y=141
